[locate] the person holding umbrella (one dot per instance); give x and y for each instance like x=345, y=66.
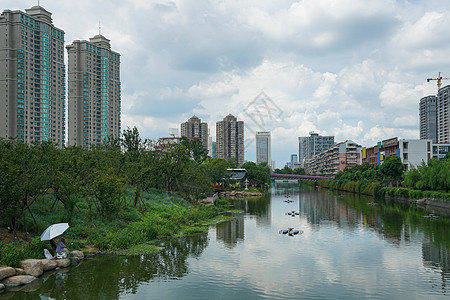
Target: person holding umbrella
x=51, y=233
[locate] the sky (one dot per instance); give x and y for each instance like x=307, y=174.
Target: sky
x=350, y=68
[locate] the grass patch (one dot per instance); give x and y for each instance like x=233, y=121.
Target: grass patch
x=194, y=229
x=234, y=211
x=140, y=249
x=218, y=219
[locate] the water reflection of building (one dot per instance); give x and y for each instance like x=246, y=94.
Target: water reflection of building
x=319, y=207
x=231, y=232
x=437, y=257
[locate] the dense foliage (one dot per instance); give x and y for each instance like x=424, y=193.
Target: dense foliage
x=257, y=174
x=100, y=177
x=162, y=214
x=432, y=180
x=432, y=177
x=287, y=170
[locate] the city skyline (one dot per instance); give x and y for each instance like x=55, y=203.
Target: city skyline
x=356, y=70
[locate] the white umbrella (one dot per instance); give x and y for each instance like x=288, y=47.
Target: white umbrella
x=53, y=231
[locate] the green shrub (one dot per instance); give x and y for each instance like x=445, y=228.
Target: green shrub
x=436, y=195
x=415, y=194
x=130, y=214
x=11, y=254
x=371, y=189
x=221, y=202
x=377, y=189
x=401, y=192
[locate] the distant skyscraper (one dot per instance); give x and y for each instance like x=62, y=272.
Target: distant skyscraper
x=312, y=145
x=194, y=128
x=428, y=118
x=32, y=76
x=210, y=141
x=263, y=147
x=230, y=139
x=213, y=150
x=294, y=159
x=94, y=91
x=443, y=115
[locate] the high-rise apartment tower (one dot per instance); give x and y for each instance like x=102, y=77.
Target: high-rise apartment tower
x=428, y=118
x=443, y=115
x=32, y=77
x=94, y=92
x=263, y=147
x=230, y=139
x=294, y=159
x=312, y=145
x=194, y=128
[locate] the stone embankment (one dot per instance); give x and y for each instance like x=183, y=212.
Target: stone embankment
x=441, y=203
x=239, y=194
x=30, y=269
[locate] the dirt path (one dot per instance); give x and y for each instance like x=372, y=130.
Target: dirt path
x=7, y=237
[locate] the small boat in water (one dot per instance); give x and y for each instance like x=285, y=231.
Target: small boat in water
x=291, y=231
x=431, y=216
x=292, y=213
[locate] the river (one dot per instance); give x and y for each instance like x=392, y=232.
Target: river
x=347, y=249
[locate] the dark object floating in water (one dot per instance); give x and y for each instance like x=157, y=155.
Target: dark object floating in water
x=290, y=231
x=293, y=213
x=431, y=216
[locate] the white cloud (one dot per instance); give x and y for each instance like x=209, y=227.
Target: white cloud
x=355, y=69
x=399, y=95
x=405, y=121
x=378, y=133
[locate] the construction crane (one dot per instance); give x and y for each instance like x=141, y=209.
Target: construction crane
x=439, y=79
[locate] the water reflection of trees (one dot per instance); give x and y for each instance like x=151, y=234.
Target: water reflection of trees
x=254, y=206
x=438, y=258
x=107, y=277
x=231, y=232
x=397, y=222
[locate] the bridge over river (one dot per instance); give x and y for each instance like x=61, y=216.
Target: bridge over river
x=297, y=177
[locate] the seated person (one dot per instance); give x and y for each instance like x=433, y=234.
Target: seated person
x=61, y=247
x=53, y=244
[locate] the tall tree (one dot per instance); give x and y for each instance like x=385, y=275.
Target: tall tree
x=216, y=169
x=195, y=148
x=392, y=168
x=135, y=148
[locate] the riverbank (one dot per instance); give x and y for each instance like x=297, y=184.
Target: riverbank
x=135, y=230
x=433, y=198
x=240, y=194
x=30, y=269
